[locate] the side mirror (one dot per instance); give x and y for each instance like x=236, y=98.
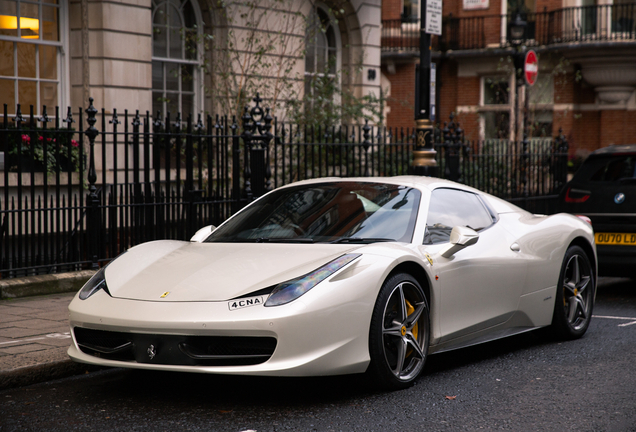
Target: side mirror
x=202, y=234
x=460, y=238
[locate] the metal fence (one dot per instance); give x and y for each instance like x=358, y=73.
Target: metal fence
x=74, y=197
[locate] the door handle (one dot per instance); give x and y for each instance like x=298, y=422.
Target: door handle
x=515, y=247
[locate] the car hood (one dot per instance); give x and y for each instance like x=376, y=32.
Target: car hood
x=191, y=271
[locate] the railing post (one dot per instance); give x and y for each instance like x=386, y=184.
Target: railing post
x=453, y=144
x=92, y=200
x=365, y=145
x=236, y=168
x=256, y=137
x=561, y=148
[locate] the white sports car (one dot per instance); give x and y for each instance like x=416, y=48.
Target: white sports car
x=340, y=276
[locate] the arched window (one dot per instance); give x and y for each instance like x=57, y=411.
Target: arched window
x=31, y=54
x=176, y=29
x=322, y=51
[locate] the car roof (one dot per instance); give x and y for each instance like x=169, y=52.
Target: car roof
x=421, y=182
x=613, y=150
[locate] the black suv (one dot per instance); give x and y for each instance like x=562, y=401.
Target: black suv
x=604, y=189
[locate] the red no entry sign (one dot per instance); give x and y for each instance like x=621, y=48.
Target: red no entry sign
x=531, y=67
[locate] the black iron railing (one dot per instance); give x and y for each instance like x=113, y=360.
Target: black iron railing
x=575, y=24
x=70, y=203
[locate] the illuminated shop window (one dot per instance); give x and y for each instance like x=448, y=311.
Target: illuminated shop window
x=30, y=54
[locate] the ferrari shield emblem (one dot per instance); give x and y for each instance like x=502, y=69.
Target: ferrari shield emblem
x=164, y=295
x=428, y=257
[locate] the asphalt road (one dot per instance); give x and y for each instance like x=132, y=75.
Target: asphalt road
x=524, y=383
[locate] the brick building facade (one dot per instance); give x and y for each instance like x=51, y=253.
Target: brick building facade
x=587, y=68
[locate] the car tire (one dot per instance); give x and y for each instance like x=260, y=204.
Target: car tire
x=574, y=295
x=399, y=333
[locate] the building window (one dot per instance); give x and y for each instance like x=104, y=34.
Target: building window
x=411, y=10
x=541, y=98
x=322, y=56
x=176, y=30
x=495, y=107
x=30, y=54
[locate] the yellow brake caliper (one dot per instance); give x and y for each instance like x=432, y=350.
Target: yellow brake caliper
x=409, y=310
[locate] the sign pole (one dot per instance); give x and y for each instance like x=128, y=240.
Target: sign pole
x=424, y=162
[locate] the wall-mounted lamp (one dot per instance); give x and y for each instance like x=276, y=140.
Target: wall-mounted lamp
x=371, y=74
x=29, y=27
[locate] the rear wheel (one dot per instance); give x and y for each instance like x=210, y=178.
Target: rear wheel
x=399, y=335
x=574, y=296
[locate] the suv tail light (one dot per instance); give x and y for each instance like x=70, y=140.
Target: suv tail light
x=577, y=195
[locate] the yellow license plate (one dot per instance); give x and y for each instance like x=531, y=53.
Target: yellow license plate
x=628, y=239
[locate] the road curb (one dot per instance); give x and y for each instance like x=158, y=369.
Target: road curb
x=35, y=374
x=43, y=284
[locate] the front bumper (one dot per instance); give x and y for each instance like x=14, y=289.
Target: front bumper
x=322, y=333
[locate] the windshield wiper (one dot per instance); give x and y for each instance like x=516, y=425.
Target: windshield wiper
x=284, y=240
x=361, y=240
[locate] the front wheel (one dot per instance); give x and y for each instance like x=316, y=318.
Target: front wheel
x=399, y=335
x=575, y=295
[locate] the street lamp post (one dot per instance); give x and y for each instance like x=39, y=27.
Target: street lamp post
x=516, y=32
x=424, y=162
x=517, y=29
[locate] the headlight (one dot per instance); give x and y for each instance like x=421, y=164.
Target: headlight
x=291, y=290
x=94, y=284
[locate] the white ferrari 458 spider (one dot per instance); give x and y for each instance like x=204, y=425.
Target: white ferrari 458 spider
x=340, y=276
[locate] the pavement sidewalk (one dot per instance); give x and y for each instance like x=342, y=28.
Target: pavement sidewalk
x=34, y=336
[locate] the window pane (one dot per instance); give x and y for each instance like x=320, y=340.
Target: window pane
x=172, y=76
x=191, y=45
x=8, y=20
x=28, y=10
x=26, y=60
x=450, y=208
x=541, y=124
x=157, y=75
x=188, y=15
x=29, y=21
x=176, y=50
x=616, y=168
x=159, y=17
x=6, y=59
x=173, y=104
x=187, y=78
x=7, y=90
x=310, y=58
x=48, y=95
x=157, y=104
x=48, y=62
x=187, y=108
x=27, y=95
x=8, y=7
x=542, y=91
x=321, y=54
x=159, y=41
x=497, y=125
x=174, y=20
x=332, y=60
x=496, y=91
x=49, y=23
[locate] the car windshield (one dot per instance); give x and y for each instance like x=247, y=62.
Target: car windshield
x=343, y=212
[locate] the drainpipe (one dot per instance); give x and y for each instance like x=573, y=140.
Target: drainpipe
x=85, y=65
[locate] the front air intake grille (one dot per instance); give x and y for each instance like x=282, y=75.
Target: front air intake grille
x=175, y=349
